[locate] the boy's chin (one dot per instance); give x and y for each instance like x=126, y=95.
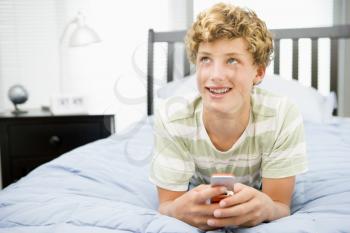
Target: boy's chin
x=222, y=109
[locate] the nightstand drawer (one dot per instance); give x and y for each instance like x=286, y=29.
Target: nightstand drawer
x=28, y=140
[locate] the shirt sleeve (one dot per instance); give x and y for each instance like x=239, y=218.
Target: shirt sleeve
x=288, y=154
x=171, y=166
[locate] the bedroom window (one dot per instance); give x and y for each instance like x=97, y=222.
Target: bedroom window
x=28, y=47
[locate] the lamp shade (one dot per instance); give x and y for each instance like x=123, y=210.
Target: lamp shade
x=80, y=33
x=83, y=35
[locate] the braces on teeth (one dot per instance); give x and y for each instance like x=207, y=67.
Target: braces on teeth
x=219, y=91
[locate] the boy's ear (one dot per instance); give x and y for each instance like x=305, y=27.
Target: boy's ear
x=260, y=74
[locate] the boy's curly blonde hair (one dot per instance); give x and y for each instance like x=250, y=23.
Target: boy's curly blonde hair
x=228, y=21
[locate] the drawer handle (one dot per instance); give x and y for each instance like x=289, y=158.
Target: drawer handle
x=55, y=141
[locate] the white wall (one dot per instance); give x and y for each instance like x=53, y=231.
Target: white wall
x=283, y=14
x=2, y=98
x=117, y=66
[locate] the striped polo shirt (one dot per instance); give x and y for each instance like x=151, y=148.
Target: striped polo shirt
x=272, y=145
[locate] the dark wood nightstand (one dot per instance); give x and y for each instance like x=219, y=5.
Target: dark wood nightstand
x=36, y=137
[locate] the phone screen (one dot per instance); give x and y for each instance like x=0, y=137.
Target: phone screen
x=222, y=180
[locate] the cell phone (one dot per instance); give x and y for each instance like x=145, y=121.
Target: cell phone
x=226, y=180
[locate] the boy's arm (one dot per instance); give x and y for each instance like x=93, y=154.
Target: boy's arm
x=280, y=191
x=166, y=197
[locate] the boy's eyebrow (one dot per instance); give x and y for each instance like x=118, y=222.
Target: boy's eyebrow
x=203, y=52
x=233, y=54
x=226, y=54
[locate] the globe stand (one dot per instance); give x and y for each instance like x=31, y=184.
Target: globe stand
x=18, y=111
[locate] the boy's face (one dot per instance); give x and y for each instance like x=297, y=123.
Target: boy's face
x=226, y=74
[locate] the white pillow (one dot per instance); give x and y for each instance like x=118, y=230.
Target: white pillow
x=179, y=87
x=313, y=106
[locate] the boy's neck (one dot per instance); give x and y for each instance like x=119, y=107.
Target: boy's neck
x=225, y=130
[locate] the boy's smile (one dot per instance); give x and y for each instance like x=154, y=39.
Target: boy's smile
x=218, y=92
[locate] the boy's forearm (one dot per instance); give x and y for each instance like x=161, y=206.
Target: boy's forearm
x=279, y=210
x=165, y=208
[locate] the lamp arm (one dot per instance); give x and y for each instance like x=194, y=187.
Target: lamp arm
x=79, y=21
x=60, y=53
x=63, y=35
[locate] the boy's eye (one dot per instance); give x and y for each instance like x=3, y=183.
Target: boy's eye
x=231, y=61
x=204, y=60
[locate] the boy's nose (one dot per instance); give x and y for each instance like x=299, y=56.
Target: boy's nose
x=217, y=72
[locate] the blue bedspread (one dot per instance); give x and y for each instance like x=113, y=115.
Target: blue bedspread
x=103, y=187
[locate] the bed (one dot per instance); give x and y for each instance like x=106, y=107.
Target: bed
x=103, y=186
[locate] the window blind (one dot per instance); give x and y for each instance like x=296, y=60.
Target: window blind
x=29, y=37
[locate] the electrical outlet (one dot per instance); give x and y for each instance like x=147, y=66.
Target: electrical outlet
x=68, y=104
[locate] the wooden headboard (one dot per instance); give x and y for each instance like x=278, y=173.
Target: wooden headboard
x=333, y=33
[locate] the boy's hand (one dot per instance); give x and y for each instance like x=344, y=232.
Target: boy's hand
x=247, y=207
x=192, y=207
